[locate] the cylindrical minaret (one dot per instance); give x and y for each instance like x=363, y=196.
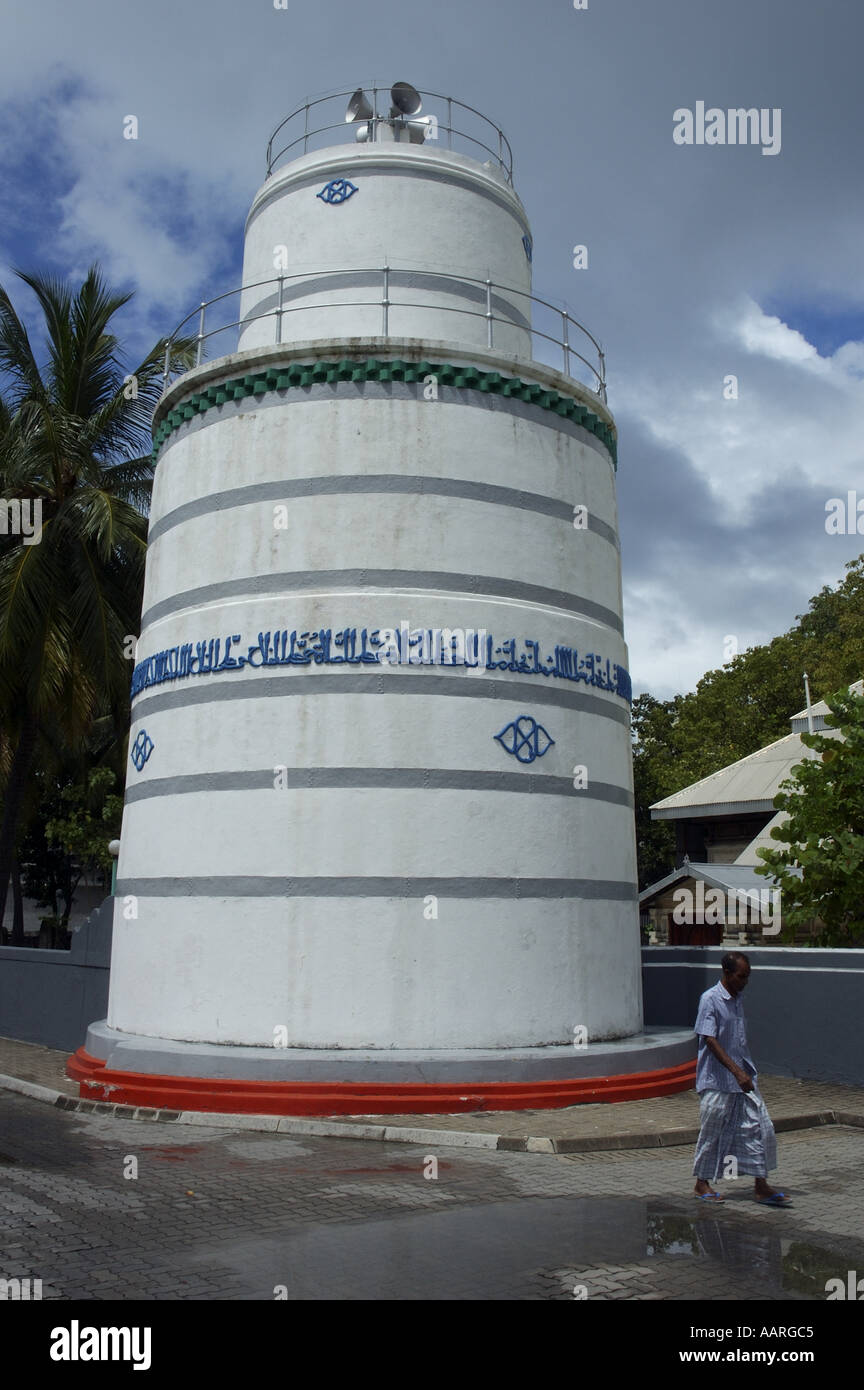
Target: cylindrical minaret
x=379, y=815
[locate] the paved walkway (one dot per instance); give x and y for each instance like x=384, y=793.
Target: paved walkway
x=104, y=1207
x=667, y=1121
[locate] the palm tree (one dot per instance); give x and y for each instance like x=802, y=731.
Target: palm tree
x=72, y=435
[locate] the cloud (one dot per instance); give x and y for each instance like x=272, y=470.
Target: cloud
x=768, y=336
x=693, y=252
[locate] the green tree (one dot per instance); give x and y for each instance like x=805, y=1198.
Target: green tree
x=741, y=707
x=90, y=817
x=61, y=791
x=72, y=435
x=834, y=630
x=87, y=817
x=820, y=871
x=654, y=776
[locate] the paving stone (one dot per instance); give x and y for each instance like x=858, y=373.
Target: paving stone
x=339, y=1218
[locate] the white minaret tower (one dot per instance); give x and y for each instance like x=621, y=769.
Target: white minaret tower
x=378, y=847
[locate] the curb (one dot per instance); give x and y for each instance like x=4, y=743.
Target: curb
x=405, y=1134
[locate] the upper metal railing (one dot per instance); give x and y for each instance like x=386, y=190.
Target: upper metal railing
x=301, y=131
x=562, y=340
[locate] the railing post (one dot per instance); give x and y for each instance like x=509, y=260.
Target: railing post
x=166, y=369
x=385, y=304
x=488, y=311
x=279, y=310
x=200, y=347
x=449, y=123
x=566, y=320
x=305, y=127
x=602, y=357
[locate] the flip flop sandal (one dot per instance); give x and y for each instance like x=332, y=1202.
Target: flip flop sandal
x=708, y=1197
x=777, y=1199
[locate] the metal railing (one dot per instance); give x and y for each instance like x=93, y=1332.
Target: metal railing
x=563, y=340
x=299, y=129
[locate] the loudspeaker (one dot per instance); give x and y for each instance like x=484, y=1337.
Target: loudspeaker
x=359, y=107
x=406, y=99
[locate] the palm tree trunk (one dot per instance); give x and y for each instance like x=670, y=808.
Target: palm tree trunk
x=15, y=787
x=17, y=905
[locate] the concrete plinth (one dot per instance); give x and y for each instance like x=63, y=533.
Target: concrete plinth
x=139, y=1070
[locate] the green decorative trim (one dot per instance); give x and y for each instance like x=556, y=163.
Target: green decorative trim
x=305, y=374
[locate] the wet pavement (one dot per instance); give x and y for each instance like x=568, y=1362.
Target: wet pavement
x=661, y=1121
x=231, y=1214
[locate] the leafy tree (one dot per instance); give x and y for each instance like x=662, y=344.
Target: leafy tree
x=654, y=757
x=834, y=630
x=91, y=815
x=77, y=810
x=821, y=871
x=72, y=435
x=741, y=707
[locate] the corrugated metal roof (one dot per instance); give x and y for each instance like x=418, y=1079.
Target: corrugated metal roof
x=727, y=877
x=801, y=724
x=752, y=783
x=711, y=809
x=822, y=708
x=748, y=785
x=762, y=841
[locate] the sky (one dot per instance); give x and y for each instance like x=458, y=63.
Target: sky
x=705, y=261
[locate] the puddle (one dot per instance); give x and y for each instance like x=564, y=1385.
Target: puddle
x=519, y=1247
x=786, y=1265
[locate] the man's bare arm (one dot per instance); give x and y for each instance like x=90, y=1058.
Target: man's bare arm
x=744, y=1081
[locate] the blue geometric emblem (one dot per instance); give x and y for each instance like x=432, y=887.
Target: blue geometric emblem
x=525, y=739
x=337, y=191
x=141, y=749
x=529, y=247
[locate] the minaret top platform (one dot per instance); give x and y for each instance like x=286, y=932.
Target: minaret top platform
x=389, y=214
x=400, y=114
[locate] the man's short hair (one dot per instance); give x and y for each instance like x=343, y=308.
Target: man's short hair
x=730, y=961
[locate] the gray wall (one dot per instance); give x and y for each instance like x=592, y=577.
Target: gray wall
x=804, y=1006
x=51, y=997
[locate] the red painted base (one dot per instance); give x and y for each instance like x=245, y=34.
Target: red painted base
x=160, y=1092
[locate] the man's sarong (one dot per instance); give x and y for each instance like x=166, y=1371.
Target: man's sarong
x=734, y=1124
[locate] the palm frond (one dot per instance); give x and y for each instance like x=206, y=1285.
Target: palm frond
x=16, y=355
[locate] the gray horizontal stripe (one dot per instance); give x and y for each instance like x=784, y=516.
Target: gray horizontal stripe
x=429, y=174
x=260, y=887
x=296, y=581
x=307, y=683
x=375, y=483
x=380, y=391
x=395, y=778
x=403, y=279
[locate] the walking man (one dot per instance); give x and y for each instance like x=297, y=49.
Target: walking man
x=736, y=1135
